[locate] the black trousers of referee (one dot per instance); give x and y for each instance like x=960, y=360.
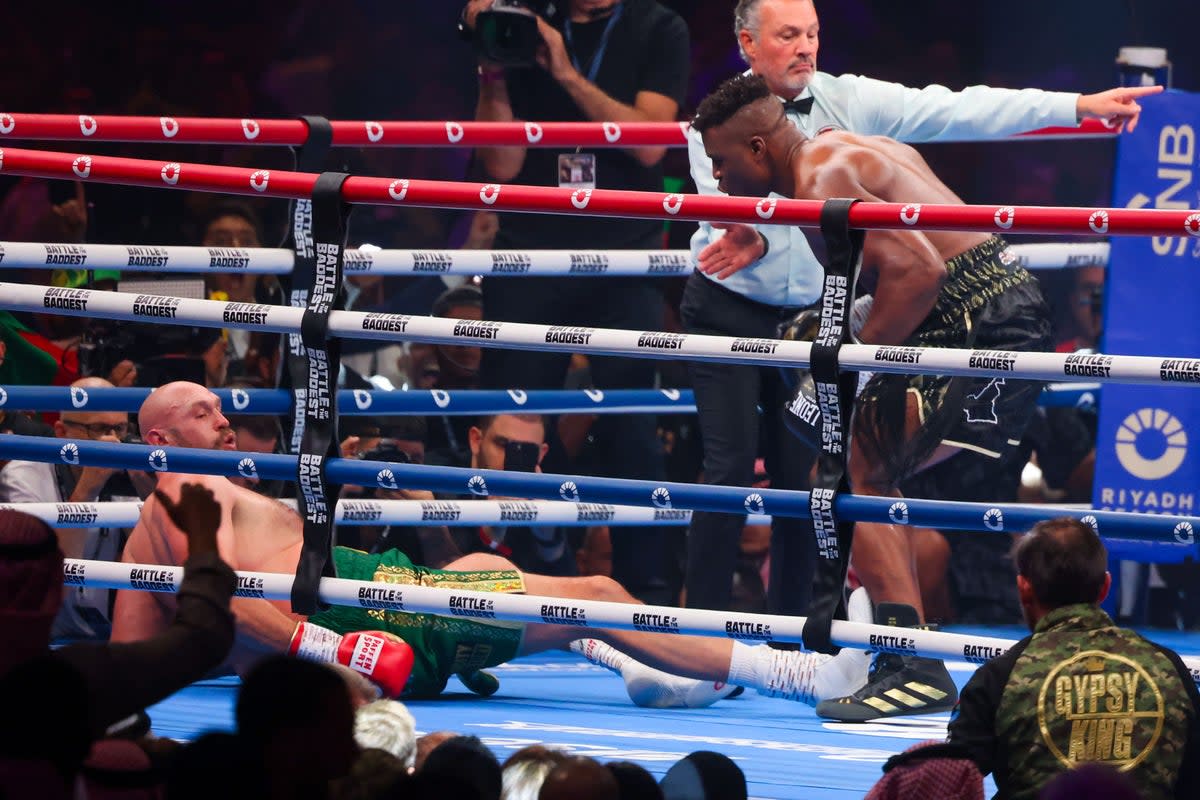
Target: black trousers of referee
x=628, y=444
x=728, y=399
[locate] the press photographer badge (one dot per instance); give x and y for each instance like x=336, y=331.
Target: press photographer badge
x=577, y=171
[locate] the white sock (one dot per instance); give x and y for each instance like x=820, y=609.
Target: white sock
x=600, y=653
x=649, y=687
x=803, y=676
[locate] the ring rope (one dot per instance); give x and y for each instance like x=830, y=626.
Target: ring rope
x=452, y=513
x=560, y=611
x=1173, y=536
x=496, y=263
x=604, y=341
x=601, y=202
x=369, y=133
x=464, y=402
x=362, y=402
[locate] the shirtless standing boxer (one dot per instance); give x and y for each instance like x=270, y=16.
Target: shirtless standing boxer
x=259, y=534
x=935, y=289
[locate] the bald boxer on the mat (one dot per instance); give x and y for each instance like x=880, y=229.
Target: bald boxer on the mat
x=936, y=289
x=258, y=534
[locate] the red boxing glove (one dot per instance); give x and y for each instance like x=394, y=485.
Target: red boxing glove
x=383, y=657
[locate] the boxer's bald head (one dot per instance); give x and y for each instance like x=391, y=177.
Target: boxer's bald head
x=185, y=414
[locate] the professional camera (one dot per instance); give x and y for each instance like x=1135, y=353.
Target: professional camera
x=105, y=344
x=507, y=32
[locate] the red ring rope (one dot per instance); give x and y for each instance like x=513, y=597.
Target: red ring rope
x=368, y=133
x=603, y=202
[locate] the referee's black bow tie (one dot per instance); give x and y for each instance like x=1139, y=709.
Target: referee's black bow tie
x=801, y=106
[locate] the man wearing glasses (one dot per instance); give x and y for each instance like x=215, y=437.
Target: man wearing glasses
x=85, y=612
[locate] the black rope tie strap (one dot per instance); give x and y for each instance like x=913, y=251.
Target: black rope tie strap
x=316, y=498
x=309, y=157
x=835, y=397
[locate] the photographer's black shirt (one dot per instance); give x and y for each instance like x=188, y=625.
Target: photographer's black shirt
x=648, y=50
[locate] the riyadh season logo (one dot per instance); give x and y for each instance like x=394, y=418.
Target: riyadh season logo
x=518, y=396
x=170, y=173
x=398, y=189
x=1004, y=217
x=385, y=479
x=754, y=503
x=441, y=398
x=533, y=132
x=260, y=179
x=1098, y=221
x=765, y=208
x=7, y=124
x=87, y=125
x=79, y=397
x=69, y=453
x=660, y=497
x=82, y=166
x=374, y=130
x=250, y=129
x=1091, y=522
x=362, y=399
x=1151, y=444
x=247, y=468
x=477, y=486
x=241, y=400
x=910, y=213
x=489, y=193
x=1192, y=224
x=169, y=126
x=993, y=519
x=671, y=394
x=3, y=397
x=672, y=203
x=569, y=491
x=580, y=198
x=158, y=460
x=612, y=132
x=898, y=513
x=454, y=132
x=1184, y=533
x=595, y=395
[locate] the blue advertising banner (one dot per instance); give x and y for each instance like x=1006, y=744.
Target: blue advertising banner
x=1148, y=444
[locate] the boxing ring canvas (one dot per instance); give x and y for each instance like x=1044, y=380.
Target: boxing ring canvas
x=563, y=701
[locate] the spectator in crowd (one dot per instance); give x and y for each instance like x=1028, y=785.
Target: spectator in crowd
x=1080, y=690
x=750, y=277
x=86, y=611
x=612, y=62
x=427, y=743
x=69, y=697
x=927, y=770
x=634, y=782
x=296, y=723
x=387, y=725
x=525, y=771
x=466, y=758
x=376, y=775
x=580, y=778
x=704, y=775
x=449, y=367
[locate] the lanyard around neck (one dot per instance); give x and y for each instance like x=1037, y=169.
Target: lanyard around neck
x=598, y=56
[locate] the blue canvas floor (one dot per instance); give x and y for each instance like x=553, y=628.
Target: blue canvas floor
x=561, y=700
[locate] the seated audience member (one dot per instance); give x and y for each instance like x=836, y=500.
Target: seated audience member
x=524, y=772
x=580, y=778
x=466, y=758
x=1081, y=689
x=634, y=782
x=427, y=743
x=704, y=775
x=928, y=770
x=212, y=765
x=70, y=696
x=1091, y=782
x=296, y=722
x=449, y=367
x=85, y=611
x=376, y=775
x=387, y=725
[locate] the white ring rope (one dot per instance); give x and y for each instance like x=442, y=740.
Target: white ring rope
x=278, y=261
x=560, y=611
x=452, y=513
x=569, y=339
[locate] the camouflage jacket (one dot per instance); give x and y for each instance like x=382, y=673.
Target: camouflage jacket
x=1082, y=689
